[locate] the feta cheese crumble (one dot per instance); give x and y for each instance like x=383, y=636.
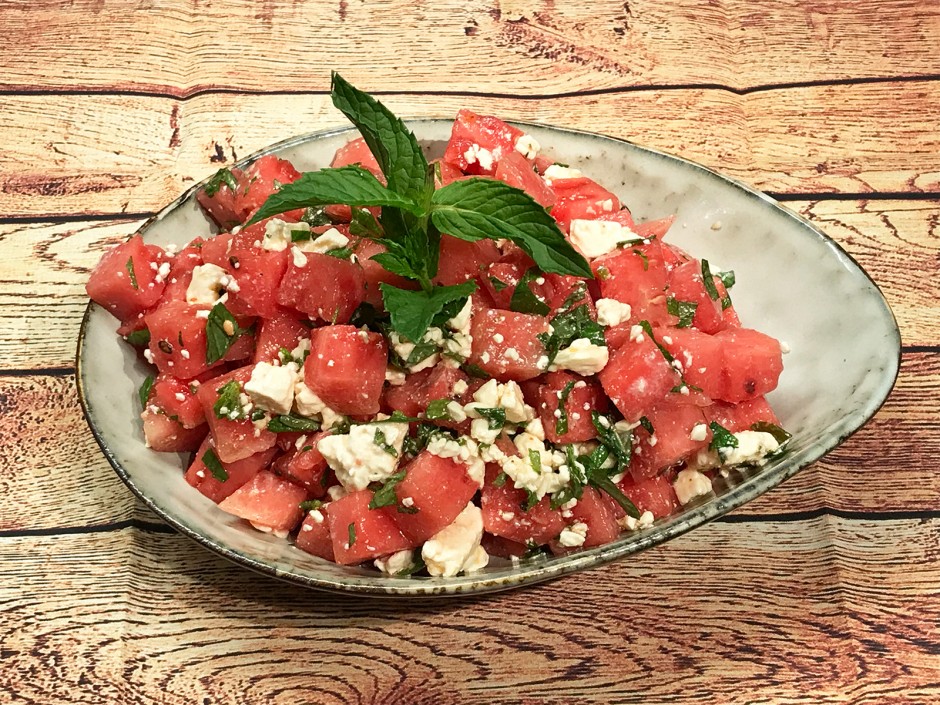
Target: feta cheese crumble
x=556, y=171
x=574, y=535
x=357, y=459
x=611, y=312
x=582, y=356
x=753, y=449
x=593, y=238
x=528, y=147
x=278, y=234
x=456, y=548
x=207, y=283
x=396, y=562
x=690, y=484
x=272, y=388
x=332, y=239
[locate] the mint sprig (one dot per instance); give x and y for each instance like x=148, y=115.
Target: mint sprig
x=414, y=215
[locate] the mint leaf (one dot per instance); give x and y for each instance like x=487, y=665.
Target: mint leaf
x=364, y=224
x=437, y=409
x=214, y=465
x=561, y=424
x=721, y=437
x=215, y=182
x=385, y=496
x=683, y=310
x=315, y=217
x=222, y=330
x=568, y=327
x=709, y=281
x=620, y=444
x=779, y=434
x=288, y=423
x=144, y=391
x=411, y=311
x=351, y=185
x=727, y=278
x=129, y=266
x=474, y=209
x=381, y=441
x=524, y=299
x=309, y=505
x=138, y=338
x=392, y=144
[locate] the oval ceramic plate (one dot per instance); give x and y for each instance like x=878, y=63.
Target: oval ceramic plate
x=793, y=283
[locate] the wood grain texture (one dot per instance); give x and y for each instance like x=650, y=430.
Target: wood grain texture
x=45, y=267
x=98, y=154
x=56, y=477
x=822, y=611
x=496, y=46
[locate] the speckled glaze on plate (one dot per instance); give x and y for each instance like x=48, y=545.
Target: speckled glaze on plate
x=793, y=283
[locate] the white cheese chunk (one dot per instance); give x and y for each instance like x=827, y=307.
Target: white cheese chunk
x=477, y=154
x=307, y=403
x=699, y=432
x=528, y=147
x=611, y=312
x=507, y=396
x=396, y=562
x=593, y=238
x=574, y=535
x=456, y=548
x=332, y=239
x=690, y=484
x=272, y=388
x=464, y=450
x=357, y=457
x=582, y=356
x=556, y=171
x=206, y=285
x=753, y=447
x=277, y=234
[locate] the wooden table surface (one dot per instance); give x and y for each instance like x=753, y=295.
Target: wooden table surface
x=826, y=590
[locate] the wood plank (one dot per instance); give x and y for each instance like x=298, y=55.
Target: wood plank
x=490, y=45
x=98, y=154
x=53, y=475
x=816, y=612
x=46, y=265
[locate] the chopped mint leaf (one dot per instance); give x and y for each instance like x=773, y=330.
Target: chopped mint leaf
x=721, y=437
x=129, y=266
x=214, y=465
x=474, y=370
x=340, y=252
x=222, y=330
x=647, y=425
x=709, y=281
x=646, y=260
x=495, y=416
x=568, y=327
x=300, y=235
x=617, y=443
x=385, y=496
x=727, y=278
x=381, y=441
x=498, y=284
x=780, y=435
x=500, y=479
x=351, y=530
x=138, y=338
x=364, y=224
x=228, y=405
x=524, y=299
x=683, y=310
x=223, y=177
x=535, y=460
x=310, y=505
x=577, y=294
x=288, y=423
x=561, y=423
x=416, y=566
x=437, y=409
x=144, y=392
x=315, y=217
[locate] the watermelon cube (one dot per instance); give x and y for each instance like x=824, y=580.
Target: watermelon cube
x=359, y=533
x=268, y=502
x=346, y=368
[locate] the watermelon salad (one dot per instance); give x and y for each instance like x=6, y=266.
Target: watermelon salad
x=423, y=365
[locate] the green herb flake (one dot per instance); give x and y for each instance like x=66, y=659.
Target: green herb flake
x=351, y=530
x=437, y=409
x=647, y=425
x=228, y=405
x=214, y=465
x=381, y=441
x=138, y=338
x=780, y=435
x=416, y=566
x=129, y=266
x=683, y=310
x=300, y=235
x=721, y=437
x=709, y=281
x=223, y=177
x=500, y=479
x=498, y=284
x=535, y=460
x=316, y=217
x=568, y=327
x=144, y=392
x=618, y=443
x=340, y=252
x=495, y=416
x=310, y=505
x=222, y=330
x=646, y=260
x=561, y=423
x=289, y=423
x=524, y=300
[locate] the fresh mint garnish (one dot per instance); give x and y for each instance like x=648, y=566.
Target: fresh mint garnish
x=495, y=416
x=229, y=405
x=214, y=465
x=561, y=424
x=524, y=299
x=617, y=443
x=288, y=423
x=683, y=310
x=709, y=281
x=222, y=330
x=364, y=224
x=138, y=338
x=144, y=391
x=437, y=410
x=309, y=505
x=780, y=435
x=568, y=327
x=721, y=437
x=381, y=441
x=412, y=311
x=222, y=177
x=498, y=284
x=351, y=531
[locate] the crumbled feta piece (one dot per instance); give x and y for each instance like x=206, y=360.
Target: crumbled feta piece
x=464, y=450
x=611, y=312
x=307, y=403
x=535, y=428
x=476, y=154
x=699, y=432
x=456, y=412
x=272, y=388
x=582, y=356
x=556, y=171
x=628, y=522
x=403, y=348
x=358, y=459
x=574, y=535
x=460, y=387
x=593, y=238
x=206, y=285
x=753, y=447
x=553, y=474
x=336, y=492
x=317, y=516
x=332, y=239
x=528, y=146
x=396, y=562
x=456, y=548
x=394, y=376
x=277, y=234
x=508, y=396
x=690, y=484
x=298, y=257
x=461, y=322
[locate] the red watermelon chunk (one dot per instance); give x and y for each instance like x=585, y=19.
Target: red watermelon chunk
x=583, y=396
x=686, y=284
x=268, y=502
x=357, y=152
x=127, y=280
x=234, y=439
x=594, y=510
x=305, y=465
x=177, y=400
x=375, y=274
x=322, y=286
x=471, y=133
x=637, y=377
x=752, y=365
x=314, y=535
x=635, y=276
x=680, y=429
x=283, y=330
x=516, y=170
x=167, y=435
x=178, y=340
x=237, y=473
x=359, y=533
x=437, y=489
x=346, y=368
x=495, y=333
x=580, y=199
x=503, y=513
x=740, y=417
x=700, y=356
x=258, y=275
x=461, y=260
x=654, y=494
